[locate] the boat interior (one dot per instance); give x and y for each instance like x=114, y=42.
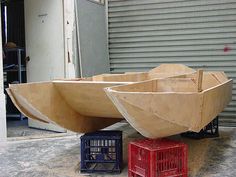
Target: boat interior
x=164, y=70
x=182, y=83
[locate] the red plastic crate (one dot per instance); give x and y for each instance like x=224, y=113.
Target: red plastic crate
x=157, y=158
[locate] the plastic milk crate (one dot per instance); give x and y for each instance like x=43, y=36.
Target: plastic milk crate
x=209, y=131
x=157, y=158
x=101, y=151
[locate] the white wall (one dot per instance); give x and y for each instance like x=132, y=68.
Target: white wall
x=3, y=133
x=71, y=56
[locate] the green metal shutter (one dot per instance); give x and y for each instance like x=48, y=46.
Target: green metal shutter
x=198, y=33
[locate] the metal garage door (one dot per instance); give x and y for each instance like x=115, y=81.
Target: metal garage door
x=198, y=33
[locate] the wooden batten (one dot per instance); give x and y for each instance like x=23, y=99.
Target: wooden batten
x=199, y=79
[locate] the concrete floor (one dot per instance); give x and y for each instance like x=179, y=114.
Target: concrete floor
x=20, y=128
x=60, y=157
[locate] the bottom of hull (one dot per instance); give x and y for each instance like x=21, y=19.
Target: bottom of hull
x=148, y=124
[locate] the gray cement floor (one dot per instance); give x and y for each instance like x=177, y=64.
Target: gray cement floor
x=19, y=128
x=60, y=157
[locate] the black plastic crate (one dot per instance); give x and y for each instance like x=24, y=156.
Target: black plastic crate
x=210, y=131
x=101, y=152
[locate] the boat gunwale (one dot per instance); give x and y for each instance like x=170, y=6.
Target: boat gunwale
x=119, y=82
x=110, y=89
x=90, y=82
x=29, y=83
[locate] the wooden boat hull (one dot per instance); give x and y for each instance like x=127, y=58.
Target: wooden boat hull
x=74, y=109
x=80, y=105
x=165, y=107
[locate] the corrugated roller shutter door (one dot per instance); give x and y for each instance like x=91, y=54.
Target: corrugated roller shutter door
x=198, y=33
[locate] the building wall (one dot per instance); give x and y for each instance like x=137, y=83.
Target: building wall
x=93, y=38
x=3, y=134
x=3, y=130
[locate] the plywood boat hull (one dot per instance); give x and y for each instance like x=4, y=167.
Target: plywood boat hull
x=45, y=102
x=165, y=107
x=80, y=105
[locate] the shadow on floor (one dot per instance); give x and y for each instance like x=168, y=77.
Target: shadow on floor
x=20, y=128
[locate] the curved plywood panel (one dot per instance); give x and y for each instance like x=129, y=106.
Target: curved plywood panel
x=168, y=106
x=46, y=104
